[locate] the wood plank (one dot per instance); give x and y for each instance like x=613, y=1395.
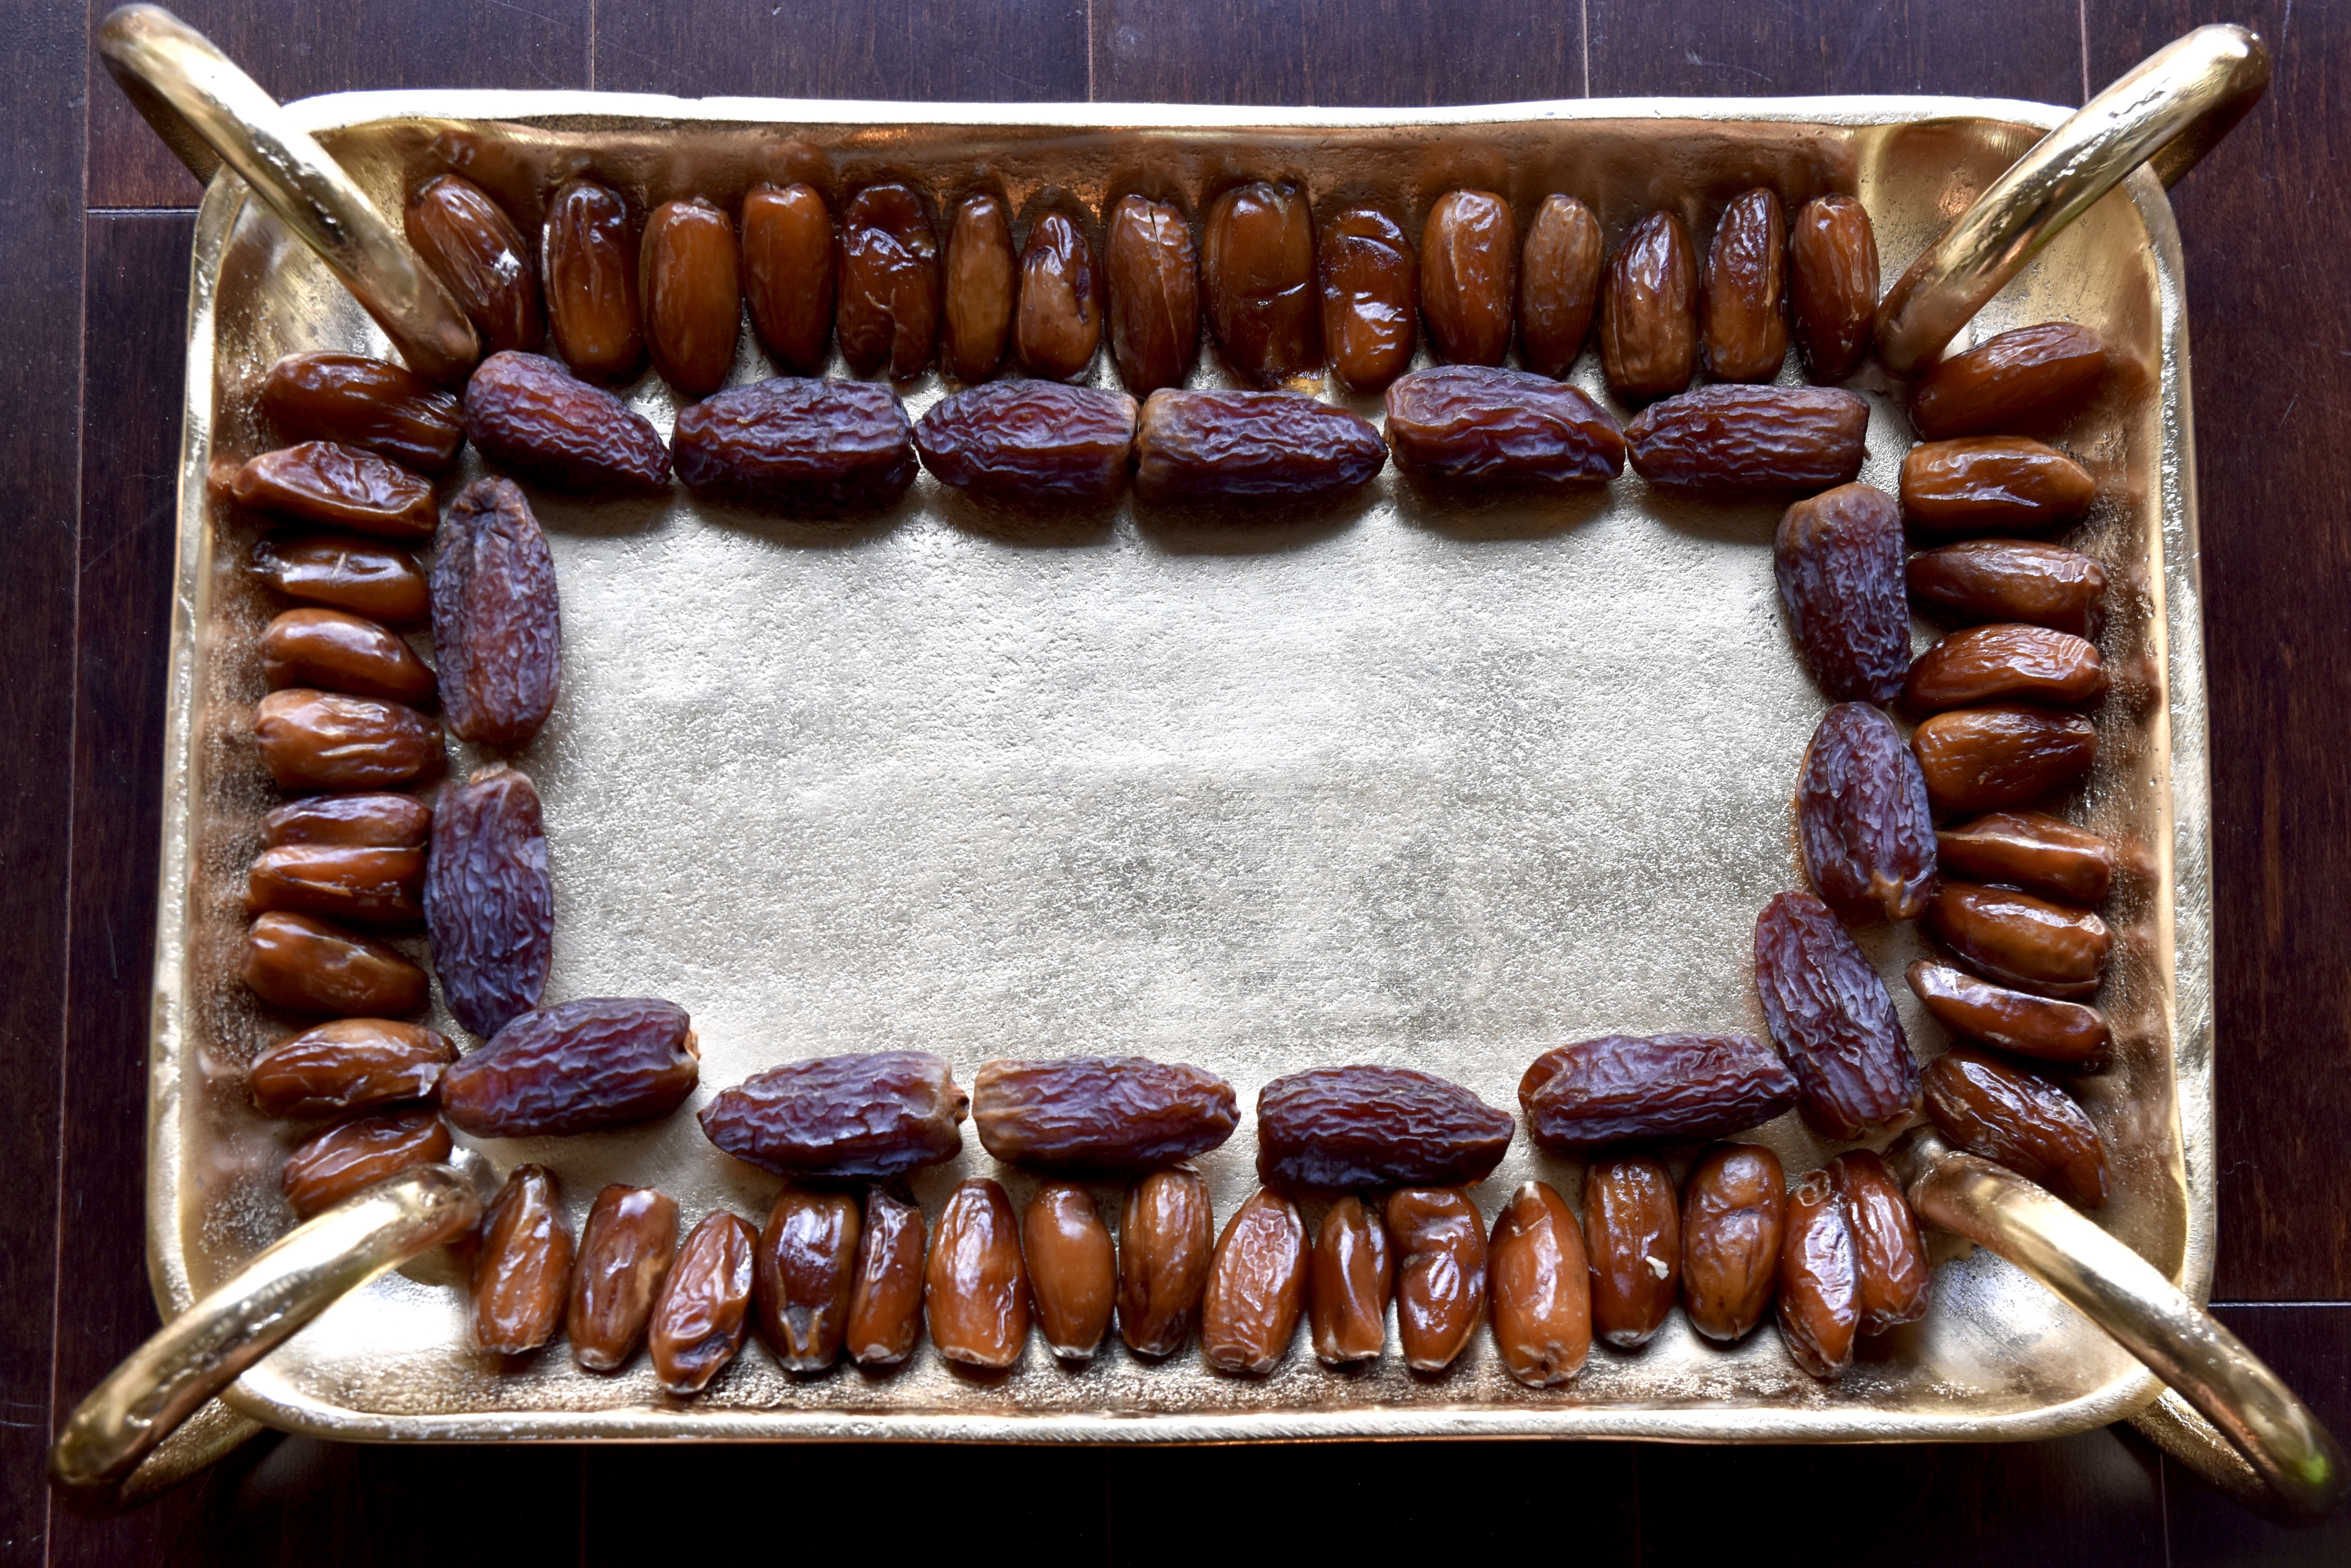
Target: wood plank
x=298, y=51
x=936, y=50
x=2310, y=1347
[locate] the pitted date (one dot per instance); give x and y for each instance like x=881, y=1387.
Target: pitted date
x=1473, y=424
x=788, y=257
x=890, y=285
x=1648, y=311
x=1354, y=1276
x=2019, y=1119
x=1219, y=446
x=343, y=571
x=1258, y=1280
x=1540, y=1285
x=877, y=1114
x=703, y=1314
x=975, y=1284
x=1154, y=295
x=1863, y=819
x=471, y=246
x=350, y=822
x=1838, y=560
x=351, y=1064
x=1989, y=759
x=691, y=273
x=343, y=487
x=1099, y=1115
x=1072, y=1268
x=1734, y=1215
x=489, y=905
x=1745, y=316
x=497, y=624
x=2033, y=376
x=331, y=650
x=625, y=1251
x=2011, y=580
x=312, y=740
x=2020, y=940
x=362, y=887
x=588, y=255
x=981, y=281
x=1440, y=1252
x=1680, y=1086
x=578, y=1066
x=1632, y=1231
x=1058, y=324
x=1259, y=264
x=1820, y=1281
x=2005, y=663
x=310, y=965
x=797, y=446
x=2071, y=1034
x=372, y=404
x=1830, y=1012
x=1889, y=1257
x=1334, y=1128
x=1371, y=301
x=528, y=414
x=1010, y=441
x=1166, y=1229
x=352, y=1155
x=1832, y=283
x=1743, y=440
x=885, y=1304
x=2031, y=850
x=1992, y=485
x=803, y=1274
x=1469, y=276
x=1559, y=285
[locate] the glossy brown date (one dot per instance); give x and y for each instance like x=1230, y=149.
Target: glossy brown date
x=789, y=256
x=489, y=902
x=343, y=487
x=2070, y=1034
x=1832, y=283
x=881, y=1113
x=1029, y=441
x=351, y=1064
x=1099, y=1115
x=1837, y=557
x=2031, y=850
x=1353, y=1277
x=797, y=446
x=803, y=1274
x=1221, y=445
x=336, y=652
x=472, y=246
x=625, y=1251
x=1891, y=1276
x=1072, y=1268
x=1991, y=758
x=703, y=1314
x=352, y=1155
x=1648, y=311
x=974, y=1285
x=1371, y=299
x=1830, y=1012
x=1469, y=276
x=521, y=1282
x=690, y=272
x=2011, y=580
x=1734, y=1215
x=1820, y=1285
x=1540, y=1285
x=1862, y=819
x=982, y=281
x=350, y=822
x=2005, y=663
x=497, y=624
x=1559, y=285
x=343, y=571
x=889, y=283
x=528, y=415
x=2019, y=1119
x=1992, y=485
x=1744, y=307
x=1632, y=1231
x=1440, y=1291
x=2018, y=939
x=312, y=740
x=1746, y=440
x=588, y=257
x=1153, y=275
x=362, y=887
x=2030, y=378
x=1331, y=1129
x=1058, y=324
x=1619, y=1087
x=1260, y=264
x=1164, y=1236
x=372, y=404
x=1471, y=425
x=1258, y=1280
x=307, y=966
x=885, y=1300
x=580, y=1066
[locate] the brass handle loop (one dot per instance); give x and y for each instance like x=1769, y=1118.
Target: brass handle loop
x=2168, y=111
x=210, y=114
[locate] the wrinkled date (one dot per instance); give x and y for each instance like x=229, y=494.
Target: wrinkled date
x=625, y=1251
x=1469, y=276
x=1440, y=1291
x=489, y=905
x=343, y=571
x=1862, y=817
x=1830, y=1012
x=1353, y=1278
x=1559, y=285
x=797, y=446
x=787, y=274
x=2068, y=1033
x=1743, y=440
x=1889, y=1257
x=1164, y=1230
x=336, y=652
x=350, y=822
x=522, y=1265
x=691, y=273
x=588, y=255
x=1215, y=445
x=877, y=1114
x=1154, y=295
x=1992, y=485
x=1838, y=560
x=2031, y=850
x=496, y=625
x=579, y=1066
x=352, y=1155
x=1832, y=283
x=1648, y=311
x=372, y=404
x=1371, y=301
x=320, y=482
x=1632, y=1231
x=363, y=886
x=473, y=247
x=890, y=285
x=1541, y=1288
x=2019, y=1119
x=703, y=1314
x=1745, y=302
x=528, y=414
x=1258, y=1280
x=1989, y=759
x=1260, y=262
x=802, y=1276
x=1472, y=425
x=318, y=740
x=349, y=1065
x=307, y=966
x=1072, y=1268
x=1010, y=441
x=2005, y=663
x=981, y=279
x=2033, y=376
x=2011, y=580
x=1820, y=1284
x=885, y=1302
x=1681, y=1086
x=2020, y=940
x=1334, y=1128
x=974, y=1286
x=1099, y=1115
x=1058, y=323
x=1734, y=1214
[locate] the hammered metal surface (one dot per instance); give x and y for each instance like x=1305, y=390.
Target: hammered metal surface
x=1417, y=782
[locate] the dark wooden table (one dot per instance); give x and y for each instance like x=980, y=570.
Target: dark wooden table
x=95, y=225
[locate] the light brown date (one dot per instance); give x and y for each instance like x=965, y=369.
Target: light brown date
x=496, y=621
x=1648, y=311
x=1472, y=425
x=1029, y=441
x=1632, y=1231
x=2070, y=1034
x=343, y=571
x=471, y=246
x=1164, y=1236
x=1819, y=1286
x=1072, y=1268
x=1862, y=818
x=2020, y=940
x=351, y=1064
x=1353, y=1278
x=2011, y=580
x=797, y=446
x=1992, y=485
x=1058, y=324
x=974, y=1286
x=1469, y=276
x=1734, y=1214
x=318, y=740
x=1889, y=1257
x=1559, y=285
x=1832, y=283
x=1221, y=445
x=2031, y=850
x=1099, y=1115
x=350, y=822
x=307, y=965
x=703, y=1314
x=788, y=252
x=1371, y=299
x=890, y=284
x=333, y=650
x=803, y=1275
x=2005, y=663
x=1440, y=1293
x=1743, y=440
x=369, y=404
x=363, y=886
x=522, y=1265
x=1154, y=276
x=1745, y=302
x=2019, y=1119
x=580, y=1066
x=625, y=1251
x=1540, y=1285
x=1258, y=1280
x=2031, y=378
x=1991, y=758
x=885, y=1302
x=982, y=281
x=355, y=1154
x=343, y=487
x=1260, y=264
x=530, y=415
x=588, y=257
x=691, y=273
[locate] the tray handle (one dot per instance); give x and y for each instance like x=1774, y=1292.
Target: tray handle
x=210, y=114
x=95, y=1460
x=2168, y=112
x=2228, y=1416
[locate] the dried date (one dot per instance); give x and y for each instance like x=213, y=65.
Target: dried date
x=2070, y=1034
x=528, y=414
x=344, y=486
x=690, y=271
x=496, y=623
x=361, y=886
x=1820, y=1285
x=311, y=739
x=1058, y=324
x=1540, y=1285
x=1862, y=819
x=877, y=1114
x=579, y=1066
x=343, y=571
x=625, y=1252
x=803, y=1274
x=1440, y=1291
x=885, y=1302
x=472, y=246
x=974, y=1285
x=1734, y=1215
x=351, y=1157
x=1559, y=285
x=1221, y=445
x=982, y=278
x=1744, y=441
x=890, y=285
x=333, y=650
x=1012, y=441
x=1648, y=311
x=372, y=404
x=2020, y=1120
x=788, y=258
x=1992, y=485
x=2011, y=580
x=2031, y=850
x=1260, y=265
x=1745, y=302
x=703, y=1314
x=1475, y=426
x=1353, y=1278
x=2020, y=940
x=1681, y=1086
x=1334, y=1128
x=1838, y=561
x=1989, y=759
x=1099, y=1115
x=2032, y=377
x=1164, y=1231
x=489, y=905
x=1258, y=1280
x=1632, y=1231
x=1371, y=299
x=307, y=966
x=349, y=1065
x=1154, y=295
x=1072, y=1268
x=1469, y=276
x=521, y=1266
x=350, y=822
x=1830, y=1012
x=588, y=255
x=1832, y=283
x=2005, y=663
x=797, y=446
x=1889, y=1257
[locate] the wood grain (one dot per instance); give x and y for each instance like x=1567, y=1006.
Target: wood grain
x=984, y=51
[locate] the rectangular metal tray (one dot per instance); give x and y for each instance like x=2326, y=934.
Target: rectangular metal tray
x=1425, y=781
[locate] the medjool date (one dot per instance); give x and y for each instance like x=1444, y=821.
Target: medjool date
x=2005, y=663
x=349, y=1065
x=803, y=1274
x=352, y=1155
x=1838, y=560
x=1987, y=758
x=890, y=286
x=1258, y=1280
x=981, y=279
x=877, y=1114
x=1164, y=1231
x=1213, y=446
x=1632, y=1231
x=1012, y=441
x=1992, y=485
x=331, y=650
x=703, y=1314
x=690, y=272
x=1680, y=1086
x=1440, y=1250
x=577, y=1067
x=489, y=905
x=496, y=626
x=1648, y=311
x=2068, y=1033
x=1154, y=295
x=974, y=1285
x=1099, y=1115
x=362, y=887
x=625, y=1252
x=1830, y=1012
x=319, y=740
x=2031, y=376
x=2020, y=940
x=798, y=447
x=1832, y=283
x=344, y=571
x=1820, y=1285
x=2011, y=580
x=1559, y=285
x=1058, y=324
x=1745, y=295
x=471, y=245
x=1863, y=819
x=1541, y=1286
x=1334, y=1128
x=528, y=414
x=588, y=255
x=1472, y=425
x=2031, y=850
x=1746, y=440
x=1734, y=1214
